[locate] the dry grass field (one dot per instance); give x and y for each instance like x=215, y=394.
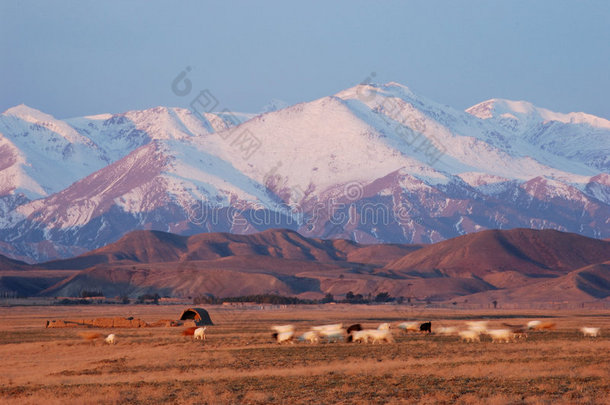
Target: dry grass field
x=239, y=362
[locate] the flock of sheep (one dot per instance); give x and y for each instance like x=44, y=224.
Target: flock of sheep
x=472, y=333
x=334, y=333
x=355, y=333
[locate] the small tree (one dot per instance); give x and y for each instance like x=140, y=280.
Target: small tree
x=328, y=298
x=382, y=297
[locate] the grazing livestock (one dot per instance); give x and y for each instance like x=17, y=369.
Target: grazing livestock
x=409, y=326
x=310, y=337
x=283, y=333
x=592, y=332
x=533, y=324
x=111, y=339
x=360, y=336
x=354, y=327
x=383, y=335
x=501, y=335
x=282, y=337
x=477, y=326
x=332, y=333
x=426, y=327
x=447, y=330
x=283, y=328
x=384, y=326
x=469, y=336
x=199, y=333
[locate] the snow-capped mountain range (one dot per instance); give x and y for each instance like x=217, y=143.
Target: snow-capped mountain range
x=373, y=163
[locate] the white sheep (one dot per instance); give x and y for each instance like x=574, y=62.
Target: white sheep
x=282, y=337
x=283, y=328
x=533, y=324
x=383, y=335
x=310, y=337
x=592, y=332
x=469, y=336
x=199, y=334
x=332, y=333
x=283, y=333
x=360, y=336
x=477, y=326
x=111, y=339
x=384, y=326
x=447, y=330
x=501, y=335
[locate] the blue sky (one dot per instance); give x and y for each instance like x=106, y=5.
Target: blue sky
x=72, y=58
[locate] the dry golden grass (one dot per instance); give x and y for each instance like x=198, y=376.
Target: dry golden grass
x=239, y=363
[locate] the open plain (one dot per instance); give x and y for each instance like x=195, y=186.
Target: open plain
x=240, y=363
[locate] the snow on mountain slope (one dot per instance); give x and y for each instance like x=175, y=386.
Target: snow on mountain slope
x=464, y=142
x=47, y=154
x=525, y=113
x=42, y=155
x=311, y=146
x=147, y=178
x=577, y=136
x=599, y=187
x=155, y=186
x=374, y=163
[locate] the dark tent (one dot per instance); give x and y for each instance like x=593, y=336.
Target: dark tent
x=199, y=315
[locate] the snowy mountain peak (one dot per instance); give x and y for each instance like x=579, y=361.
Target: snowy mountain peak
x=398, y=89
x=28, y=114
x=369, y=91
x=579, y=137
x=528, y=112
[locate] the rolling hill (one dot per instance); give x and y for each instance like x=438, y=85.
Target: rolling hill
x=525, y=251
x=507, y=265
x=581, y=285
x=11, y=264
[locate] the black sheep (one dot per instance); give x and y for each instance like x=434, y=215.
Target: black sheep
x=426, y=327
